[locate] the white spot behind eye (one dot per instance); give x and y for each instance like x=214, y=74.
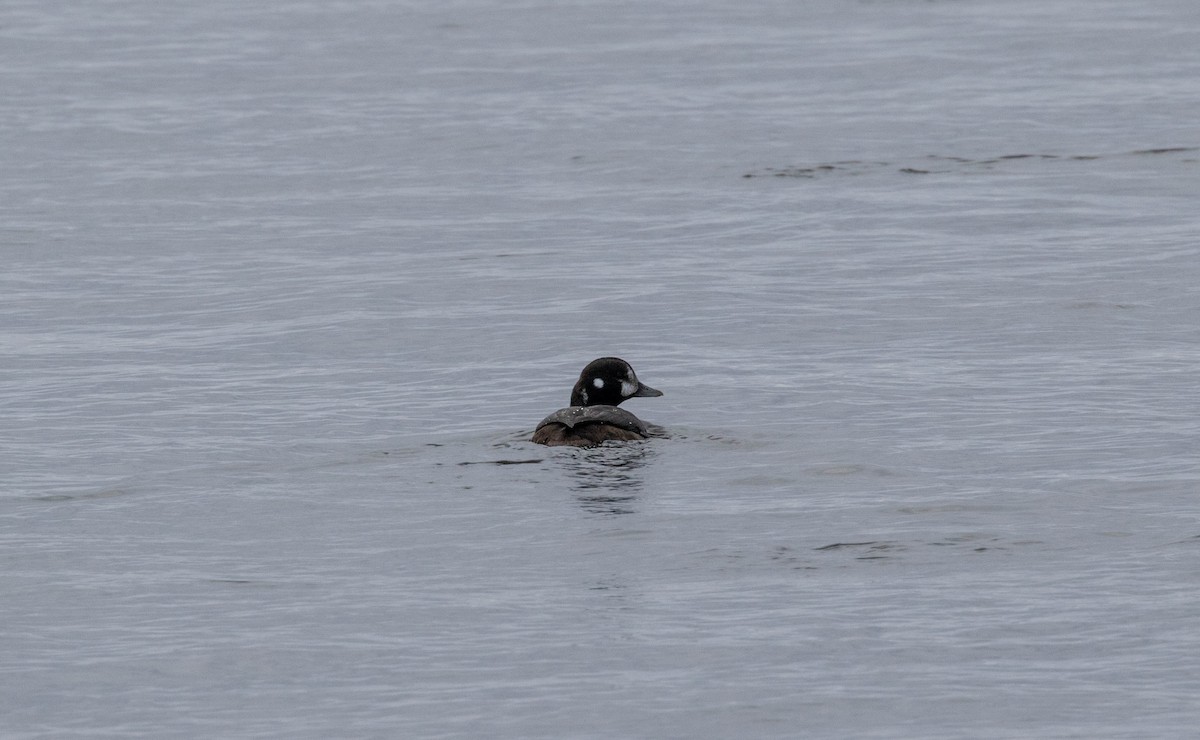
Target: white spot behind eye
x=627, y=388
x=598, y=382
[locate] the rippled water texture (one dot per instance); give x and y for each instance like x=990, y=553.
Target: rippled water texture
x=286, y=287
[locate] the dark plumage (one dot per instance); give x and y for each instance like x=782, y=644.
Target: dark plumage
x=593, y=416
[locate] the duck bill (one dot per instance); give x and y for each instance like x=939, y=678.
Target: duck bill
x=645, y=390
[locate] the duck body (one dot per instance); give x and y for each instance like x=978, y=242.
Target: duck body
x=593, y=416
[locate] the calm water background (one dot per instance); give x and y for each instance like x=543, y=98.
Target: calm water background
x=286, y=285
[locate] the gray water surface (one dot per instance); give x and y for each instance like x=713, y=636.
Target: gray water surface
x=286, y=287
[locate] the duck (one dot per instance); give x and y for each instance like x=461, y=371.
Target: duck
x=593, y=416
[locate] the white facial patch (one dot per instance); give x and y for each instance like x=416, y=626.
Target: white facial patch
x=628, y=388
x=598, y=382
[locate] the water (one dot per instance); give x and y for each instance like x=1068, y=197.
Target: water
x=286, y=288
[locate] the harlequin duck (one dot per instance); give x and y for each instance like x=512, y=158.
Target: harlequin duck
x=593, y=416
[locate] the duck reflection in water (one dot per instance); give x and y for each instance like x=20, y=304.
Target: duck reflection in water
x=608, y=479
